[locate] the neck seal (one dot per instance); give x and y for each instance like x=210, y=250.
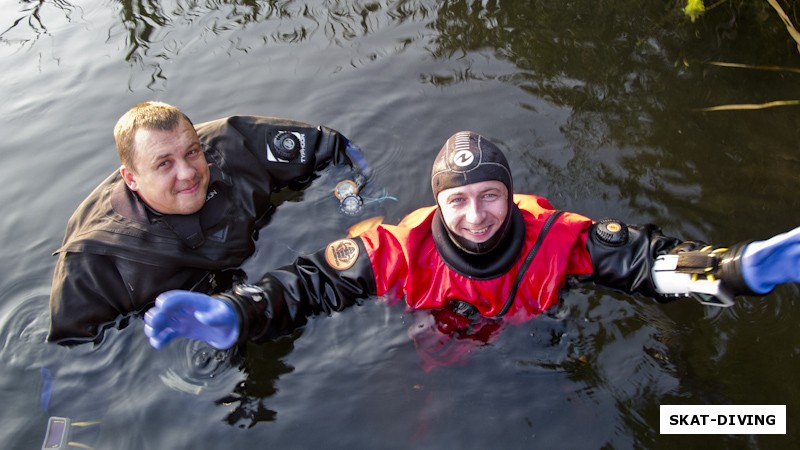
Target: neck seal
x=483, y=266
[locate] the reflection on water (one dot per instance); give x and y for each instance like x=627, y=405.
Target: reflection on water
x=248, y=402
x=596, y=104
x=31, y=20
x=638, y=104
x=156, y=33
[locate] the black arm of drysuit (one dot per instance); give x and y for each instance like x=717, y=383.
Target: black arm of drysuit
x=625, y=261
x=309, y=286
x=320, y=146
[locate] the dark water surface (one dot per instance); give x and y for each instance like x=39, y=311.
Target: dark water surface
x=596, y=104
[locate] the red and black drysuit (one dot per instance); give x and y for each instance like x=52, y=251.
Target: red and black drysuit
x=415, y=260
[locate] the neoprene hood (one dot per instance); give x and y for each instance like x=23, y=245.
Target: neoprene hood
x=468, y=158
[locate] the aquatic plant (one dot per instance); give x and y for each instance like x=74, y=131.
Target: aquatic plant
x=694, y=9
x=785, y=18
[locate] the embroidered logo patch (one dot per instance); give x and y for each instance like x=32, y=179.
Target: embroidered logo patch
x=341, y=254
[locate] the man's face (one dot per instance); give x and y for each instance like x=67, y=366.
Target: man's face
x=171, y=174
x=474, y=211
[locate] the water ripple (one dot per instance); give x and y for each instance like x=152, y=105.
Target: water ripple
x=195, y=364
x=23, y=321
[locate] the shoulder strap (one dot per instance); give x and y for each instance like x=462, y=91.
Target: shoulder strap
x=547, y=225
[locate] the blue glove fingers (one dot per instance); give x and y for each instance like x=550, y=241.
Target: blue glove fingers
x=194, y=316
x=765, y=264
x=159, y=339
x=156, y=320
x=175, y=301
x=157, y=327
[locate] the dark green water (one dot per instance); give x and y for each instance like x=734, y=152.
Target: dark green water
x=596, y=104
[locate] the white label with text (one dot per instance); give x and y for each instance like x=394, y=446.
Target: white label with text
x=723, y=419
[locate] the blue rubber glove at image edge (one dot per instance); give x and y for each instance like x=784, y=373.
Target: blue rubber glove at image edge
x=191, y=315
x=766, y=264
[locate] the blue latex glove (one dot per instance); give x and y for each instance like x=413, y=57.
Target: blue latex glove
x=766, y=264
x=194, y=316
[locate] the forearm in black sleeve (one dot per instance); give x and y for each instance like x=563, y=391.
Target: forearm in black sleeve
x=640, y=259
x=293, y=151
x=623, y=255
x=321, y=283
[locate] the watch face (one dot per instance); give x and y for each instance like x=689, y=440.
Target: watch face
x=345, y=188
x=351, y=204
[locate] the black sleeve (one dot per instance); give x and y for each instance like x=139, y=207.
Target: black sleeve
x=91, y=293
x=324, y=282
x=623, y=255
x=290, y=151
x=84, y=298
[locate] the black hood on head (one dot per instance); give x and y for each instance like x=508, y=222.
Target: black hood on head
x=468, y=158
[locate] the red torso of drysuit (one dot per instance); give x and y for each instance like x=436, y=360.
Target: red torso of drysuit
x=406, y=264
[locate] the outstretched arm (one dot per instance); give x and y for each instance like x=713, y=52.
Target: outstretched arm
x=324, y=282
x=292, y=152
x=641, y=259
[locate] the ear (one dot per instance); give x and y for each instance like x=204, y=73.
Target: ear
x=129, y=178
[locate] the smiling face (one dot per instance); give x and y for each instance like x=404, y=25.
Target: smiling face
x=171, y=174
x=474, y=211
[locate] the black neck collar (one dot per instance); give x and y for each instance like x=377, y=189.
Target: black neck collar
x=189, y=228
x=481, y=266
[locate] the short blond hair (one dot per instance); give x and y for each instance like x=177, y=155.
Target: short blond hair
x=148, y=115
